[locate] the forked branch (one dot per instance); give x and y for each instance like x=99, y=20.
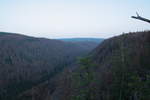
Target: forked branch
x=140, y=18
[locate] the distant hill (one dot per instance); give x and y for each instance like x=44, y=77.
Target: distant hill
x=98, y=40
x=26, y=61
x=118, y=69
x=84, y=42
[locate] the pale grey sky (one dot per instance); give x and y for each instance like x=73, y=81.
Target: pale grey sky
x=72, y=18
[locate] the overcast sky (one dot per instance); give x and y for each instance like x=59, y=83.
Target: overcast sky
x=72, y=18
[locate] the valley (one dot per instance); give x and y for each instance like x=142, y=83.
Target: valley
x=60, y=70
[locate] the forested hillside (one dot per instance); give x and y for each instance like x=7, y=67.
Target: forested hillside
x=26, y=61
x=118, y=69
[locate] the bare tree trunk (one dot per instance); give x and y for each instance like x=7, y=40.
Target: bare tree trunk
x=140, y=18
x=135, y=96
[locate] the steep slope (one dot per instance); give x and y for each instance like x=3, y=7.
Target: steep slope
x=124, y=66
x=27, y=61
x=118, y=69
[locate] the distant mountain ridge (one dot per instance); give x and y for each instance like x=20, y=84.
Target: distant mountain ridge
x=98, y=40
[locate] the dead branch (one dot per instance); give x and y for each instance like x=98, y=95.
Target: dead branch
x=140, y=18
